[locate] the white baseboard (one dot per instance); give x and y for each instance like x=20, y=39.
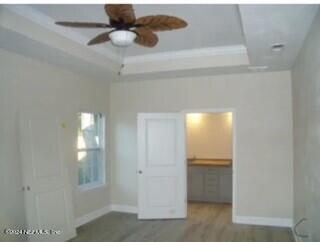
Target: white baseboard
x=265, y=221
x=123, y=208
x=92, y=216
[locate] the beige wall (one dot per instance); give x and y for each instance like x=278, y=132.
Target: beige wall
x=26, y=83
x=306, y=120
x=11, y=198
x=263, y=129
x=209, y=135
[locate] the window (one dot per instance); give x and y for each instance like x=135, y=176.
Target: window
x=90, y=148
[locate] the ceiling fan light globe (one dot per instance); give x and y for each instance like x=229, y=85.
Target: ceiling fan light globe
x=122, y=38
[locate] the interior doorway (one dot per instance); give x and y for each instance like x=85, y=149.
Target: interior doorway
x=210, y=158
x=164, y=161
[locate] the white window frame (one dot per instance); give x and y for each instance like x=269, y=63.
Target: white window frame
x=102, y=139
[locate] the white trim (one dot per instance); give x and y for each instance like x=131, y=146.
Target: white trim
x=234, y=150
x=91, y=186
x=184, y=63
x=266, y=221
x=191, y=53
x=91, y=216
x=123, y=208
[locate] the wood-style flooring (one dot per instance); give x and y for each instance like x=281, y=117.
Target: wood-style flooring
x=206, y=222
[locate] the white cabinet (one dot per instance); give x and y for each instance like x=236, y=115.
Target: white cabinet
x=210, y=184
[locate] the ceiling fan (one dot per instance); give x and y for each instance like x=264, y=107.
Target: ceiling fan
x=126, y=28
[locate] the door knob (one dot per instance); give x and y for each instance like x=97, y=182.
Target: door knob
x=140, y=172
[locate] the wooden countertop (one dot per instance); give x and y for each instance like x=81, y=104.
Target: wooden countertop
x=209, y=162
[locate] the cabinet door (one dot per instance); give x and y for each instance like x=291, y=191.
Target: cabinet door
x=195, y=184
x=225, y=186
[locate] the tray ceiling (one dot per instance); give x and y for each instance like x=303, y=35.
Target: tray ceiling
x=220, y=39
x=208, y=25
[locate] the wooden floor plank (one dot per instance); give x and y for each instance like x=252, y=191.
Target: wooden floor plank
x=207, y=222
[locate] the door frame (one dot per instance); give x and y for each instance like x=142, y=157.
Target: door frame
x=234, y=151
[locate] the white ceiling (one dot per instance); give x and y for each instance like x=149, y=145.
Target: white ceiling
x=219, y=39
x=208, y=25
x=265, y=25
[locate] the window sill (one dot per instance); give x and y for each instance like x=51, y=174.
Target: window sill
x=91, y=187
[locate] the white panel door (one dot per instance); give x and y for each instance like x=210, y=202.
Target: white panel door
x=161, y=166
x=47, y=190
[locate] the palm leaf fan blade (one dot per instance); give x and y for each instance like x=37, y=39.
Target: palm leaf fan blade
x=120, y=12
x=101, y=38
x=146, y=37
x=83, y=24
x=161, y=22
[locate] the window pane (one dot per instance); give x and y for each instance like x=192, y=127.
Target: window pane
x=88, y=130
x=90, y=148
x=81, y=176
x=90, y=168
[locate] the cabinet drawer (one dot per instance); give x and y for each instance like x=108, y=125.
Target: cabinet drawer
x=212, y=190
x=211, y=179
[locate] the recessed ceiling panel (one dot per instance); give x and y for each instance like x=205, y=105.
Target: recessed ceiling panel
x=208, y=25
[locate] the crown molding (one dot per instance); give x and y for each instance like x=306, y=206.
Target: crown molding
x=227, y=56
x=49, y=23
x=182, y=54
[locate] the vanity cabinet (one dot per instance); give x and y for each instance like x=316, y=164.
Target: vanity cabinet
x=210, y=184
